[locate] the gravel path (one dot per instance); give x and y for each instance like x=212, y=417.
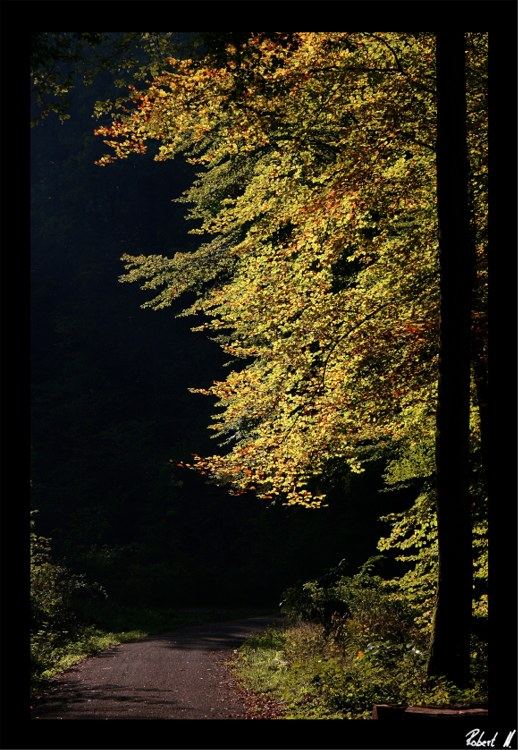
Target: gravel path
x=181, y=675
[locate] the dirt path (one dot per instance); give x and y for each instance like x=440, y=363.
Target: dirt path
x=181, y=675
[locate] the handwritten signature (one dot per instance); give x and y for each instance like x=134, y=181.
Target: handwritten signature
x=475, y=738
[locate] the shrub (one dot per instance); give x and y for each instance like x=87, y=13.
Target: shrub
x=357, y=607
x=60, y=601
x=58, y=596
x=352, y=642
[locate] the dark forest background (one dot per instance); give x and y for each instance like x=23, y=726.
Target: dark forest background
x=111, y=413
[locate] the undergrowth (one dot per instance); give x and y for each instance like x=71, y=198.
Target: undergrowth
x=348, y=646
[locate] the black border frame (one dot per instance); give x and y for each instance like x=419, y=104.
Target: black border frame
x=19, y=18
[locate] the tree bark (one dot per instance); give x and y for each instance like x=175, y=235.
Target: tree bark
x=449, y=654
x=480, y=375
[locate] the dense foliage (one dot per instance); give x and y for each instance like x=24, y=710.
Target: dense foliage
x=317, y=189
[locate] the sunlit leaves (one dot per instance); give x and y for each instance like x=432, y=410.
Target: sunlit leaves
x=319, y=277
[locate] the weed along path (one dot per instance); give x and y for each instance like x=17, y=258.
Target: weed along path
x=181, y=675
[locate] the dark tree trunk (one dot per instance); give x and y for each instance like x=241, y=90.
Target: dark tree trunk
x=450, y=644
x=480, y=375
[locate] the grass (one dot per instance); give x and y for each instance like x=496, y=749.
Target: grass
x=52, y=655
x=313, y=677
x=282, y=664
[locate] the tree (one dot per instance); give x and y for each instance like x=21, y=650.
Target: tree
x=59, y=59
x=311, y=239
x=450, y=646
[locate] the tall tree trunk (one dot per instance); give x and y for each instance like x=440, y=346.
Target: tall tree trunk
x=480, y=376
x=450, y=644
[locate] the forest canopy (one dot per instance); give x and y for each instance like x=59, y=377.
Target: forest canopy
x=319, y=275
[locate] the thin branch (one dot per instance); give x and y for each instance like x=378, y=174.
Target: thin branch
x=342, y=337
x=399, y=65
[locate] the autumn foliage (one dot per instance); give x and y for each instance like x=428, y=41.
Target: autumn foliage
x=318, y=275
